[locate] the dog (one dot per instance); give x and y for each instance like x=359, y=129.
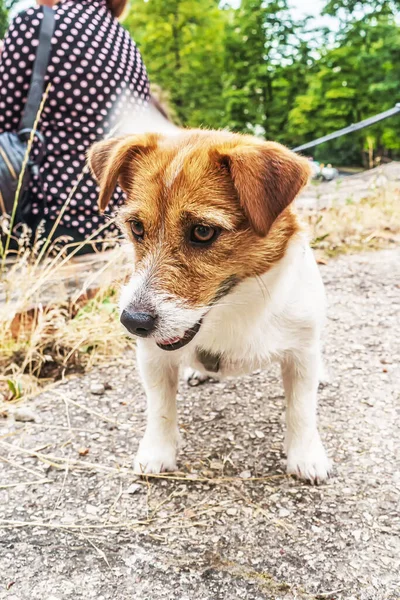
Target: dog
x=224, y=280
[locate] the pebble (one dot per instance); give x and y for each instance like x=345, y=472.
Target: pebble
x=67, y=518
x=25, y=414
x=91, y=510
x=133, y=488
x=83, y=451
x=245, y=474
x=283, y=513
x=216, y=464
x=97, y=388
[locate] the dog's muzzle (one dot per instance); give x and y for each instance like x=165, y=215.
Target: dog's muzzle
x=138, y=323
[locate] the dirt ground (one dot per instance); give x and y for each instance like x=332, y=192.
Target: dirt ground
x=75, y=523
x=353, y=188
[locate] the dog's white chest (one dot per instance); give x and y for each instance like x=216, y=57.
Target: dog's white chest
x=234, y=351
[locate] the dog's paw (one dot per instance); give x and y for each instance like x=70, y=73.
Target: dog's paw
x=155, y=457
x=194, y=378
x=309, y=461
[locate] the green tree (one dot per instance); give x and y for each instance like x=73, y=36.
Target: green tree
x=182, y=45
x=265, y=66
x=354, y=80
x=3, y=19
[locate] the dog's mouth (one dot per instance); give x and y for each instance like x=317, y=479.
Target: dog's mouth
x=179, y=342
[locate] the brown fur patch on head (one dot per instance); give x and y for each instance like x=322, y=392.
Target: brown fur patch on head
x=240, y=185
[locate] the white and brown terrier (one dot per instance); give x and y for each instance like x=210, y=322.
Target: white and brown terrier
x=224, y=280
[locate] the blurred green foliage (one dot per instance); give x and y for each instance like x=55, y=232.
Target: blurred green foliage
x=182, y=42
x=256, y=69
x=3, y=19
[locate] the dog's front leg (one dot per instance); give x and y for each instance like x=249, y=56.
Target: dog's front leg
x=306, y=456
x=158, y=448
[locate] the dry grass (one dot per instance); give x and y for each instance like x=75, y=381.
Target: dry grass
x=371, y=224
x=56, y=318
x=52, y=323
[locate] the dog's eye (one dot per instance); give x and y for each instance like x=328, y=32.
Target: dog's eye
x=137, y=228
x=203, y=234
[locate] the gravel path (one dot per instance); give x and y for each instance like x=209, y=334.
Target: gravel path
x=76, y=523
x=367, y=184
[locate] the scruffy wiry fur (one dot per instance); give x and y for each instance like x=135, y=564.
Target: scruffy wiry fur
x=255, y=294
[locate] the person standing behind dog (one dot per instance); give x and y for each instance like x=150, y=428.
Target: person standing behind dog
x=97, y=76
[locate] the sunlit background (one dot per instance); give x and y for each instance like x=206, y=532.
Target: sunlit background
x=291, y=71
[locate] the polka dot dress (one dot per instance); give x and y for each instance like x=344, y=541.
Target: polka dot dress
x=97, y=76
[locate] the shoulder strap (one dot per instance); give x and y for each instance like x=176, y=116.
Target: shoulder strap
x=39, y=70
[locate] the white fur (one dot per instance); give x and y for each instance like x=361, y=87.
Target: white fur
x=176, y=166
x=275, y=317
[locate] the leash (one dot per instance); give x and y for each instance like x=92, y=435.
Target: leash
x=354, y=127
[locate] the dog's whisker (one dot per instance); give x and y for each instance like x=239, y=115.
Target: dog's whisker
x=263, y=287
x=233, y=303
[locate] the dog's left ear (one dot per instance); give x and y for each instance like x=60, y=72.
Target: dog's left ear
x=267, y=178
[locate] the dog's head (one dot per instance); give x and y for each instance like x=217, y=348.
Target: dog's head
x=204, y=211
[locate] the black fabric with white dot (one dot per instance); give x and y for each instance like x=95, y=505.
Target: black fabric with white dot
x=97, y=76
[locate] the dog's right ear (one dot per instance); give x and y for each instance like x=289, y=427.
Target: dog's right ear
x=112, y=161
x=267, y=178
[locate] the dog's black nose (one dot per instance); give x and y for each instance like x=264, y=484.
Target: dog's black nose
x=138, y=323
